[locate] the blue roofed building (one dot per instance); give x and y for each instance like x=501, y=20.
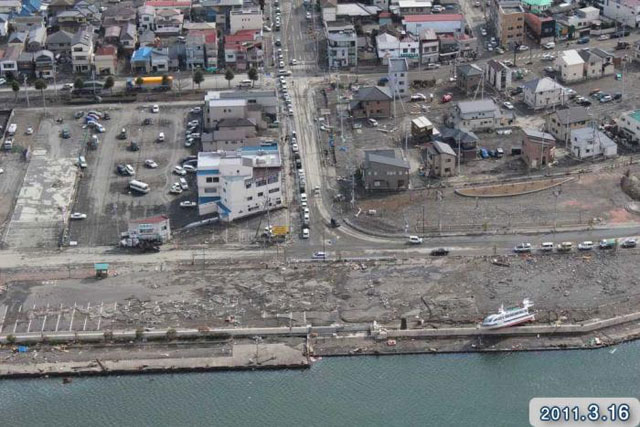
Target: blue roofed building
x=237, y=184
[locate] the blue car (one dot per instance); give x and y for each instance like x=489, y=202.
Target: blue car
x=583, y=40
x=484, y=153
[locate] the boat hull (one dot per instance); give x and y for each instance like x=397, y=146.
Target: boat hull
x=514, y=322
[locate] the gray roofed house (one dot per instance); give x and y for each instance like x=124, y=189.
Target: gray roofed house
x=128, y=36
x=477, y=115
x=544, y=93
x=36, y=39
x=372, y=101
x=17, y=38
x=59, y=42
x=597, y=62
x=561, y=122
x=385, y=170
x=440, y=159
x=148, y=37
x=468, y=77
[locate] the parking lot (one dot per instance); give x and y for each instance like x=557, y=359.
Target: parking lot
x=104, y=195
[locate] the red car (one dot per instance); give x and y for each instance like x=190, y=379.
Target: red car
x=446, y=98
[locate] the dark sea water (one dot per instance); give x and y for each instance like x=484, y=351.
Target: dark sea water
x=421, y=390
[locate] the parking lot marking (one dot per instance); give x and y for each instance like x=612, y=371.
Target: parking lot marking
x=44, y=321
x=31, y=319
x=86, y=317
x=73, y=313
x=4, y=316
x=100, y=315
x=59, y=315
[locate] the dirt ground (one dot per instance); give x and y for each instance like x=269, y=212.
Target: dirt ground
x=444, y=291
x=589, y=199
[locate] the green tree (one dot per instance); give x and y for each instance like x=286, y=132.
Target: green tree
x=139, y=81
x=253, y=75
x=78, y=84
x=41, y=85
x=228, y=76
x=198, y=77
x=109, y=83
x=15, y=87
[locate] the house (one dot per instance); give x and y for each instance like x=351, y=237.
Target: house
x=106, y=60
x=464, y=141
x=10, y=7
x=243, y=49
x=411, y=7
x=30, y=8
x=570, y=65
x=148, y=38
x=181, y=5
x=82, y=50
x=216, y=11
x=398, y=74
x=232, y=134
x=629, y=125
x=45, y=64
x=27, y=23
x=507, y=18
x=36, y=39
x=544, y=93
x=71, y=20
x=146, y=18
x=440, y=23
x=168, y=22
x=58, y=6
x=372, y=101
x=9, y=61
x=237, y=184
x=541, y=28
x=161, y=61
x=155, y=227
x=385, y=170
x=440, y=160
x=26, y=65
x=536, y=6
x=239, y=104
x=468, y=78
x=4, y=25
x=60, y=42
x=120, y=14
x=625, y=12
x=561, y=122
x=128, y=37
x=483, y=114
x=429, y=46
x=597, y=63
x=577, y=24
x=538, y=148
x=342, y=44
x=498, y=75
x=390, y=47
x=195, y=53
x=421, y=129
x=245, y=19
x=589, y=142
x=17, y=38
x=112, y=34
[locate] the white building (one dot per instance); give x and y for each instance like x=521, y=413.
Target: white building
x=629, y=124
x=155, y=227
x=342, y=44
x=627, y=12
x=477, y=115
x=236, y=184
x=399, y=76
x=440, y=23
x=544, y=93
x=498, y=75
x=82, y=50
x=389, y=47
x=590, y=142
x=245, y=19
x=570, y=65
x=239, y=104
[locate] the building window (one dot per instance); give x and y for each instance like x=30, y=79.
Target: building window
x=212, y=179
x=274, y=190
x=249, y=198
x=260, y=194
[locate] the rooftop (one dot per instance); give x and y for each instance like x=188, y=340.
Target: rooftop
x=422, y=122
x=571, y=57
x=373, y=93
x=385, y=157
x=542, y=85
x=574, y=115
x=443, y=148
x=150, y=220
x=534, y=133
x=467, y=107
x=398, y=65
x=434, y=18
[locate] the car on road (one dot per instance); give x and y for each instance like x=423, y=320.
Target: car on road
x=508, y=105
x=281, y=64
x=607, y=243
x=190, y=168
x=319, y=255
x=440, y=252
x=188, y=204
x=546, y=247
x=418, y=97
x=549, y=45
x=155, y=108
x=522, y=247
x=294, y=147
x=548, y=57
x=78, y=215
x=150, y=164
x=293, y=62
x=483, y=32
x=603, y=37
x=179, y=170
x=175, y=189
x=415, y=240
x=433, y=66
x=516, y=91
x=565, y=247
x=587, y=245
x=549, y=69
x=305, y=233
x=523, y=47
x=67, y=86
x=499, y=50
x=29, y=131
x=196, y=110
x=309, y=16
x=606, y=98
x=446, y=98
x=628, y=243
x=373, y=122
x=583, y=40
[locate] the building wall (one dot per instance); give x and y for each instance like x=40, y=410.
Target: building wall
x=536, y=154
x=385, y=177
x=511, y=28
x=440, y=165
x=538, y=100
x=245, y=21
x=630, y=127
x=82, y=58
x=570, y=73
x=618, y=11
x=373, y=109
x=563, y=132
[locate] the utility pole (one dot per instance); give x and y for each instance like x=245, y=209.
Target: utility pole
x=440, y=197
x=26, y=90
x=55, y=84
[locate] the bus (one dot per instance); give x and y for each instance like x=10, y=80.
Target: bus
x=139, y=186
x=150, y=83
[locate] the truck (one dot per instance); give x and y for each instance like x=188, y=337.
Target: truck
x=155, y=83
x=11, y=130
x=151, y=244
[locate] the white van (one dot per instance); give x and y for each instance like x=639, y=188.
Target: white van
x=139, y=186
x=183, y=184
x=245, y=84
x=161, y=137
x=82, y=162
x=11, y=130
x=415, y=240
x=546, y=247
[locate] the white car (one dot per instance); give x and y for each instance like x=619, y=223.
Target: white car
x=305, y=233
x=522, y=247
x=189, y=142
x=319, y=255
x=188, y=204
x=175, y=188
x=415, y=240
x=483, y=32
x=281, y=64
x=604, y=37
x=179, y=170
x=433, y=66
x=549, y=45
x=294, y=147
x=585, y=246
x=129, y=170
x=523, y=47
x=1, y=171
x=293, y=62
x=508, y=105
x=29, y=131
x=290, y=112
x=190, y=168
x=78, y=215
x=155, y=108
x=548, y=57
x=373, y=122
x=150, y=164
x=418, y=97
x=196, y=110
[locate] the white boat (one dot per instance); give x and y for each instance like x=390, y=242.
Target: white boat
x=510, y=316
